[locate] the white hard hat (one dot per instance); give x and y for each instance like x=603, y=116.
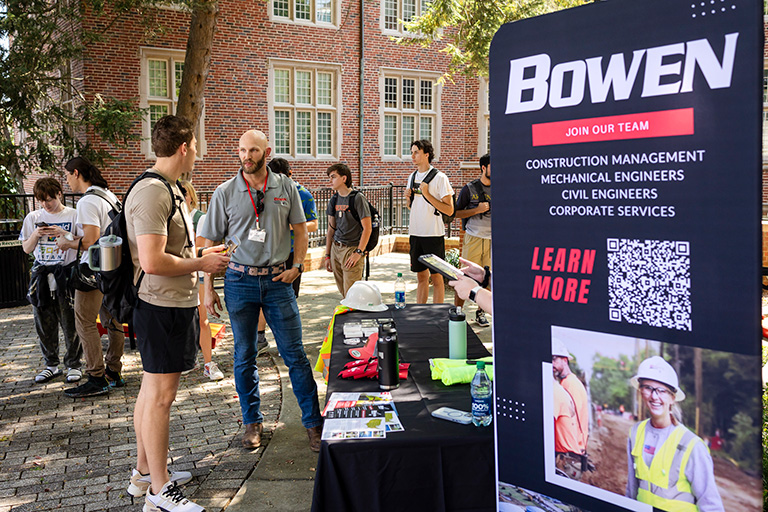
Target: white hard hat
x=656, y=368
x=559, y=349
x=364, y=296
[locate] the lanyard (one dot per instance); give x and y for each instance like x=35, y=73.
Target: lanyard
x=256, y=210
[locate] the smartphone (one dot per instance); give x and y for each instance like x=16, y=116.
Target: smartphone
x=451, y=414
x=231, y=245
x=41, y=224
x=441, y=266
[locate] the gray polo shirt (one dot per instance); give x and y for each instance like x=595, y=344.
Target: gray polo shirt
x=231, y=213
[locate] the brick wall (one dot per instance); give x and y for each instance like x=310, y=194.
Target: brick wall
x=236, y=90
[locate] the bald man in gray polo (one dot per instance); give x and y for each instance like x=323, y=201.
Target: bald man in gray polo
x=260, y=208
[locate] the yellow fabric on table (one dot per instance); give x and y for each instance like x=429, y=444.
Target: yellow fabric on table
x=457, y=371
x=324, y=359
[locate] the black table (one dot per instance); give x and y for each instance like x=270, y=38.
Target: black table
x=434, y=464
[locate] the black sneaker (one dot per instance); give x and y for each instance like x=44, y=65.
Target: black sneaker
x=262, y=346
x=115, y=379
x=93, y=387
x=480, y=318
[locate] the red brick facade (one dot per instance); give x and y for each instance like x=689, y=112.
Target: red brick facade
x=236, y=93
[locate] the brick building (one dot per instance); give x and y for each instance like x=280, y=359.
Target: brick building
x=294, y=68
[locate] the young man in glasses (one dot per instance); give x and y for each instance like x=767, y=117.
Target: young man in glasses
x=261, y=208
x=165, y=317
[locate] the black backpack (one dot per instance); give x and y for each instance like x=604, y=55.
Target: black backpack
x=120, y=292
x=475, y=190
x=447, y=219
x=373, y=241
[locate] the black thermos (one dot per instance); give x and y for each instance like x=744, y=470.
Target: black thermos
x=389, y=358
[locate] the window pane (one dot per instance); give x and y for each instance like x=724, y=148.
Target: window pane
x=390, y=14
x=323, y=11
x=426, y=94
x=324, y=87
x=303, y=133
x=155, y=113
x=390, y=135
x=179, y=71
x=323, y=133
x=409, y=135
x=282, y=86
x=409, y=9
x=282, y=132
x=409, y=93
x=390, y=92
x=158, y=78
x=280, y=8
x=426, y=128
x=302, y=10
x=303, y=87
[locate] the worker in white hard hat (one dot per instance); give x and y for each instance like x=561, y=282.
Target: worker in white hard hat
x=669, y=467
x=573, y=385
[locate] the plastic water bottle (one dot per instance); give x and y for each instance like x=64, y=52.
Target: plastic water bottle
x=482, y=394
x=399, y=291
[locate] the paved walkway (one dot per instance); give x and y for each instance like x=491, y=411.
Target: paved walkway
x=77, y=455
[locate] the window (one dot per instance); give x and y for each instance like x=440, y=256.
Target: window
x=313, y=12
x=160, y=81
x=395, y=12
x=483, y=118
x=410, y=111
x=305, y=109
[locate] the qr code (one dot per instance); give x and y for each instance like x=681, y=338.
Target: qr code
x=649, y=282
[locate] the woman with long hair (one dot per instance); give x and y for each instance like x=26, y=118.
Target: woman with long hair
x=669, y=467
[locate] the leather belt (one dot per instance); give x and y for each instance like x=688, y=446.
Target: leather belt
x=257, y=271
x=339, y=244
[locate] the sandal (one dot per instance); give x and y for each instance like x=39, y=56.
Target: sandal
x=46, y=375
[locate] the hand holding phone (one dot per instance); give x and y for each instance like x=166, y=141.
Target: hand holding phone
x=41, y=224
x=441, y=266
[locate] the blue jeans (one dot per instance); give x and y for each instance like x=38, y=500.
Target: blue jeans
x=245, y=296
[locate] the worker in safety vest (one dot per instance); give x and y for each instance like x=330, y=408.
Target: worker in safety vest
x=669, y=467
x=573, y=386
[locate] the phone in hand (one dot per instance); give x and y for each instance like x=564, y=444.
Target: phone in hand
x=231, y=245
x=41, y=224
x=451, y=414
x=441, y=266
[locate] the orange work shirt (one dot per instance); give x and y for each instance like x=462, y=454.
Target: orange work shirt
x=575, y=388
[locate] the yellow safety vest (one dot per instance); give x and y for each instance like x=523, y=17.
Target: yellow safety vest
x=664, y=484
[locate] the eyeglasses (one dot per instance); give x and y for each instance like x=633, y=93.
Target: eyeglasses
x=648, y=391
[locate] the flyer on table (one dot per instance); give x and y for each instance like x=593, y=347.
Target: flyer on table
x=626, y=142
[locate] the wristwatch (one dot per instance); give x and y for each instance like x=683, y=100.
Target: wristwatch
x=299, y=266
x=473, y=293
x=358, y=251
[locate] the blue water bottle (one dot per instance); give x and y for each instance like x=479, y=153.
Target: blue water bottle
x=399, y=291
x=482, y=394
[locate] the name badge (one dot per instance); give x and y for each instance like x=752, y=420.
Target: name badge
x=257, y=235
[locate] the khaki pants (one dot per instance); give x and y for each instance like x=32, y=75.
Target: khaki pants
x=87, y=307
x=345, y=277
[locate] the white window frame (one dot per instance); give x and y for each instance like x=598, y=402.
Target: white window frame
x=403, y=154
x=335, y=109
x=313, y=21
x=483, y=118
x=419, y=8
x=145, y=100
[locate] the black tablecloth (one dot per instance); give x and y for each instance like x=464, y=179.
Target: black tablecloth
x=434, y=464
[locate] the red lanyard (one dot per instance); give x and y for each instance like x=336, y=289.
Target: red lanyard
x=256, y=210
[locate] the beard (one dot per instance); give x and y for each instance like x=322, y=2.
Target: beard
x=258, y=165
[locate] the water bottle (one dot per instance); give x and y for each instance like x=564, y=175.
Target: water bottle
x=457, y=333
x=482, y=394
x=389, y=358
x=399, y=291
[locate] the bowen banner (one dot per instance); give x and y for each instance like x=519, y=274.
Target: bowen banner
x=627, y=142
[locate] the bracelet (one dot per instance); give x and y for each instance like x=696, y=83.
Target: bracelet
x=200, y=252
x=487, y=278
x=327, y=256
x=473, y=293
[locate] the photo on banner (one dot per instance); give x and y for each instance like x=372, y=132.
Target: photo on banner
x=626, y=138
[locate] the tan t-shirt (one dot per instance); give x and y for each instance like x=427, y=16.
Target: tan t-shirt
x=147, y=210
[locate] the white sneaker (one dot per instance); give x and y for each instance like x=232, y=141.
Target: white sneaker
x=212, y=371
x=170, y=499
x=140, y=483
x=74, y=374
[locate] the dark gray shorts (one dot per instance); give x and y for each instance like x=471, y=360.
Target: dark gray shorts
x=421, y=245
x=167, y=337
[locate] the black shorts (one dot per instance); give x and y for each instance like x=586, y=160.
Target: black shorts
x=167, y=337
x=421, y=245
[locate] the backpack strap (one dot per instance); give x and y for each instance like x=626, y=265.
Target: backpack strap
x=352, y=210
x=116, y=207
x=427, y=179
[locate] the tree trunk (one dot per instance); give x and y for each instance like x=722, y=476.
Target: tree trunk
x=197, y=61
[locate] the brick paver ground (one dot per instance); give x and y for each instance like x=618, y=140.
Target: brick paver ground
x=58, y=453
